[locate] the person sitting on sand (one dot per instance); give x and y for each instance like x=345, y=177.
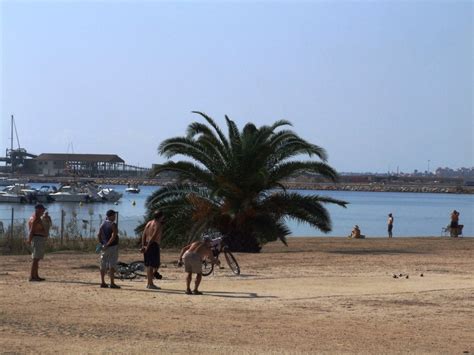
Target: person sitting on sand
x=355, y=234
x=193, y=254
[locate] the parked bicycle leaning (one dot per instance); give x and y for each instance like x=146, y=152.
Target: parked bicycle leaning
x=218, y=246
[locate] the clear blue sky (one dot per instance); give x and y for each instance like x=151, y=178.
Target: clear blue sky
x=379, y=84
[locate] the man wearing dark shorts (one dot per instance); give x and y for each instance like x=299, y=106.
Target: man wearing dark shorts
x=151, y=247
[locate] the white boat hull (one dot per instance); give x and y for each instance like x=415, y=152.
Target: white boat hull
x=12, y=198
x=65, y=197
x=109, y=195
x=132, y=190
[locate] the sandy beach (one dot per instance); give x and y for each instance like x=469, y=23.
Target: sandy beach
x=319, y=295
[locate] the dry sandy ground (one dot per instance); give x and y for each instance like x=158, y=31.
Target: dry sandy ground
x=319, y=295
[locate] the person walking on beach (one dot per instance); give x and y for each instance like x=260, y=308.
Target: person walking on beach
x=390, y=225
x=454, y=226
x=151, y=238
x=38, y=224
x=193, y=254
x=108, y=237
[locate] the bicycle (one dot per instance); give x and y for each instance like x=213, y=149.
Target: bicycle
x=218, y=246
x=130, y=271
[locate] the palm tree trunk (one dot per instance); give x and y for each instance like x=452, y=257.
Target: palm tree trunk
x=242, y=242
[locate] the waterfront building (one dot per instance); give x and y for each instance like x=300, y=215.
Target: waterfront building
x=91, y=165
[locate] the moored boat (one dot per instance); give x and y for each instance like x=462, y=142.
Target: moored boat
x=69, y=193
x=11, y=197
x=18, y=193
x=109, y=195
x=132, y=189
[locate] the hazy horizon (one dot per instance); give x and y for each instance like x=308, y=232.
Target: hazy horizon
x=379, y=85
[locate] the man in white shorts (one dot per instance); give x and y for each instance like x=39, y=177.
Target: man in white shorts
x=108, y=237
x=38, y=224
x=192, y=255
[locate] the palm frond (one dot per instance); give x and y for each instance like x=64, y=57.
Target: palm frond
x=221, y=135
x=234, y=136
x=187, y=147
x=234, y=185
x=188, y=171
x=206, y=137
x=292, y=168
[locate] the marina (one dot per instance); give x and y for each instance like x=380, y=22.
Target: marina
x=72, y=192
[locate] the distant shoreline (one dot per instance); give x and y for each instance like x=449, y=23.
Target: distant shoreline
x=342, y=186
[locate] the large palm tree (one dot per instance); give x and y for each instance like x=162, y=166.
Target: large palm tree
x=233, y=184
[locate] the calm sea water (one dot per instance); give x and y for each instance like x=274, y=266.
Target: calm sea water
x=416, y=214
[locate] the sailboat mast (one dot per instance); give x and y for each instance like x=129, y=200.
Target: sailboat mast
x=11, y=147
x=11, y=136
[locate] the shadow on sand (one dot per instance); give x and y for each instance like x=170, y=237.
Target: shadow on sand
x=375, y=251
x=85, y=267
x=73, y=282
x=223, y=294
x=127, y=288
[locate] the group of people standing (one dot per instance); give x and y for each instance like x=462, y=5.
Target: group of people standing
x=109, y=241
x=191, y=255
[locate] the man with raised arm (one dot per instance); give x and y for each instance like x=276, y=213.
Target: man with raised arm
x=192, y=255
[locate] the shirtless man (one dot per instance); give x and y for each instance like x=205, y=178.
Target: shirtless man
x=151, y=238
x=193, y=254
x=39, y=224
x=453, y=227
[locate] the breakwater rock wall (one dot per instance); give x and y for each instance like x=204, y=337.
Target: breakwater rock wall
x=384, y=188
x=342, y=186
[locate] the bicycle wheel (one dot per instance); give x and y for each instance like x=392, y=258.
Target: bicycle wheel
x=207, y=267
x=123, y=272
x=138, y=267
x=233, y=264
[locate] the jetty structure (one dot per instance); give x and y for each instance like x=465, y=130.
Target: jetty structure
x=19, y=161
x=80, y=165
x=15, y=157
